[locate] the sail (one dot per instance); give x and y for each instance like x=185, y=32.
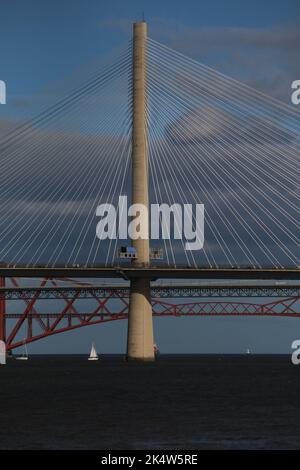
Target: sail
x=93, y=353
x=2, y=352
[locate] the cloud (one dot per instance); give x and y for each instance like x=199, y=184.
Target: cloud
x=51, y=184
x=71, y=207
x=198, y=40
x=213, y=124
x=265, y=58
x=122, y=25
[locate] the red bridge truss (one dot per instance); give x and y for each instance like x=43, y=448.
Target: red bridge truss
x=35, y=321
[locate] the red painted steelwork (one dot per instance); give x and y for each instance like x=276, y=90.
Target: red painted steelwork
x=41, y=325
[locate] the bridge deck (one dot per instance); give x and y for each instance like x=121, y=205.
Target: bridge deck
x=157, y=291
x=153, y=272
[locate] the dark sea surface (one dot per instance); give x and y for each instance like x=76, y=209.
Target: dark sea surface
x=178, y=402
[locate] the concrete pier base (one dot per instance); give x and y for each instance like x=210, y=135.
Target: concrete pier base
x=140, y=323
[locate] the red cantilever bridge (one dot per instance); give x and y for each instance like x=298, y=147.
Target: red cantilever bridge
x=25, y=315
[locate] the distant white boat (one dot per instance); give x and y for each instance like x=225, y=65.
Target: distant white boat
x=24, y=356
x=2, y=353
x=248, y=351
x=93, y=354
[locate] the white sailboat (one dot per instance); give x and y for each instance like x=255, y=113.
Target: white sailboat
x=2, y=353
x=93, y=354
x=24, y=356
x=248, y=351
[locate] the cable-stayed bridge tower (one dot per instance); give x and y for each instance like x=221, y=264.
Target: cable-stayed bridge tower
x=140, y=328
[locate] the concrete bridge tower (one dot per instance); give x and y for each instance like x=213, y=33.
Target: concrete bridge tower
x=140, y=323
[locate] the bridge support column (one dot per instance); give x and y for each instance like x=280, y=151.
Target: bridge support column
x=2, y=312
x=140, y=323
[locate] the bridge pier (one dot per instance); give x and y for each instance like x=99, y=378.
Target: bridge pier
x=140, y=324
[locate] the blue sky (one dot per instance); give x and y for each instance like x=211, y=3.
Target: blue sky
x=256, y=41
x=43, y=41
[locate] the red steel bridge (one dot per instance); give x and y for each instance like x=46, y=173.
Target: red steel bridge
x=58, y=305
